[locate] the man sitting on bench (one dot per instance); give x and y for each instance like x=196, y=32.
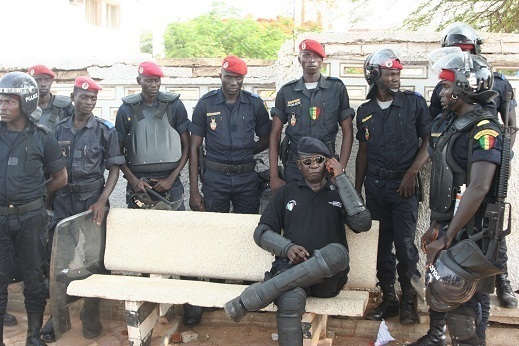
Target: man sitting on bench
x=303, y=226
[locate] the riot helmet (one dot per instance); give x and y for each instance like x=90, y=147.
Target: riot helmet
x=461, y=35
x=471, y=74
x=384, y=58
x=24, y=87
x=452, y=279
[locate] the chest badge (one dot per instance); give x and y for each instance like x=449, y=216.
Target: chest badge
x=290, y=205
x=314, y=112
x=366, y=133
x=293, y=120
x=213, y=123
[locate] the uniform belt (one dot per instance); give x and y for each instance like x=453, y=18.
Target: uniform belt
x=220, y=167
x=385, y=173
x=84, y=187
x=22, y=209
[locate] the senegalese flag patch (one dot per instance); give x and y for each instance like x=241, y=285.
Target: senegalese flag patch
x=486, y=138
x=314, y=112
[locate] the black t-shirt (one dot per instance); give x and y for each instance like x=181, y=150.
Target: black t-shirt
x=310, y=219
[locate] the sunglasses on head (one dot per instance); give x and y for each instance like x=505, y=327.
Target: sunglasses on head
x=318, y=159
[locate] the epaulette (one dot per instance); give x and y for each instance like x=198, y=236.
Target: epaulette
x=132, y=99
x=291, y=82
x=410, y=92
x=499, y=75
x=105, y=122
x=251, y=94
x=362, y=105
x=167, y=97
x=61, y=101
x=335, y=79
x=209, y=94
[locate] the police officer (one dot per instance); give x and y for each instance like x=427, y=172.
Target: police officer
x=390, y=126
x=466, y=151
x=153, y=134
x=54, y=107
x=26, y=150
x=90, y=146
x=287, y=229
x=313, y=106
x=465, y=37
x=228, y=118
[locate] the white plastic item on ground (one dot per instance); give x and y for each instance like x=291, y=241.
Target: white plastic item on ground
x=383, y=336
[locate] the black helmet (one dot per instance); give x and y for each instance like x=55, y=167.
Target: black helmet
x=23, y=86
x=382, y=58
x=452, y=279
x=458, y=34
x=473, y=77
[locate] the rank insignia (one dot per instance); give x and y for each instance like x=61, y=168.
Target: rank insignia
x=314, y=112
x=213, y=123
x=294, y=103
x=366, y=133
x=293, y=120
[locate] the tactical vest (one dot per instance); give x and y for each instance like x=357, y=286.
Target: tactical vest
x=152, y=145
x=55, y=112
x=446, y=175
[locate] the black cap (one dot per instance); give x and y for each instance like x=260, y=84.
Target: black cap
x=309, y=145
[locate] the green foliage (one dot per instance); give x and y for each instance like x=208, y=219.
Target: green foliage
x=489, y=15
x=147, y=42
x=222, y=32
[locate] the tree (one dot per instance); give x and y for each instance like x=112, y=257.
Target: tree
x=222, y=32
x=146, y=42
x=489, y=15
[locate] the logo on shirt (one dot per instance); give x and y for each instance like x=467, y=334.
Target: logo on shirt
x=336, y=204
x=291, y=204
x=293, y=103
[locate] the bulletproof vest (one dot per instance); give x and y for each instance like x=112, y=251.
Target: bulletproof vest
x=152, y=145
x=51, y=116
x=446, y=175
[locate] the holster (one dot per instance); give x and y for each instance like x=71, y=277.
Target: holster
x=284, y=147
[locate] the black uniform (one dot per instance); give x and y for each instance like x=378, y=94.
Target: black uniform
x=485, y=142
x=312, y=220
x=314, y=113
x=59, y=108
x=392, y=136
x=229, y=143
x=23, y=216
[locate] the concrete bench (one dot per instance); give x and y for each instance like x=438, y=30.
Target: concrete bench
x=182, y=243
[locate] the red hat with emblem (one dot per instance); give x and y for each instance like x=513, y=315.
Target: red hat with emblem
x=41, y=69
x=392, y=64
x=312, y=46
x=234, y=64
x=150, y=69
x=86, y=83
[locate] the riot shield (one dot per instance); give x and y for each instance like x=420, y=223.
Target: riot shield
x=78, y=252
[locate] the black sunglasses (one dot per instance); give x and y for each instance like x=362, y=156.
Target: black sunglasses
x=318, y=159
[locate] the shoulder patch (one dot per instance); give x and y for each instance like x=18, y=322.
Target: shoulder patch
x=483, y=122
x=105, y=122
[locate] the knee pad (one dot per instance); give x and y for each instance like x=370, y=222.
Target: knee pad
x=292, y=303
x=462, y=324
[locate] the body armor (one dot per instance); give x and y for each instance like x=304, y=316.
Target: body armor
x=152, y=145
x=53, y=114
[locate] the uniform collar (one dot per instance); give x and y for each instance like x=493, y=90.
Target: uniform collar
x=29, y=127
x=323, y=83
x=398, y=101
x=220, y=98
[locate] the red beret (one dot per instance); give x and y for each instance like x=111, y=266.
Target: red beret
x=312, y=46
x=235, y=65
x=447, y=75
x=392, y=64
x=40, y=69
x=86, y=83
x=150, y=69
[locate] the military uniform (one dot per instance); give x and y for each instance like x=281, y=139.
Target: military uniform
x=483, y=141
x=172, y=112
x=60, y=107
x=23, y=216
x=392, y=136
x=229, y=143
x=315, y=113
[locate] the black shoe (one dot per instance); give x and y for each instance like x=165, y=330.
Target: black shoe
x=192, y=315
x=435, y=335
x=10, y=320
x=408, y=313
x=389, y=306
x=504, y=292
x=47, y=332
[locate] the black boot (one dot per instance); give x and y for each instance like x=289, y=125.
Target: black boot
x=47, y=332
x=34, y=322
x=435, y=335
x=90, y=317
x=388, y=307
x=192, y=315
x=504, y=292
x=10, y=320
x=408, y=313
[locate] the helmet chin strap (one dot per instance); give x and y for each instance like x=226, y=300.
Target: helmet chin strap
x=384, y=88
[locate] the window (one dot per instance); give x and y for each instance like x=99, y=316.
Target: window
x=112, y=16
x=102, y=13
x=93, y=12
